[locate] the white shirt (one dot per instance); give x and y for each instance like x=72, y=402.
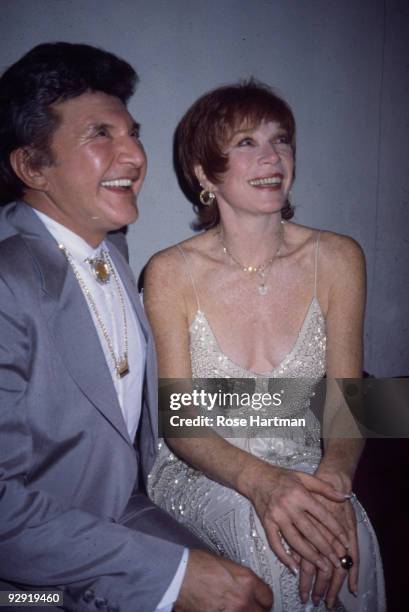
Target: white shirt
x=128, y=388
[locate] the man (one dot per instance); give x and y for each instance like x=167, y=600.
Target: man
x=77, y=367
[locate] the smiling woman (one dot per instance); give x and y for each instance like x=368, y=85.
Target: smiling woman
x=258, y=297
x=214, y=122
x=247, y=184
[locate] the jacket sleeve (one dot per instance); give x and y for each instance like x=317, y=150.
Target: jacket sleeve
x=43, y=543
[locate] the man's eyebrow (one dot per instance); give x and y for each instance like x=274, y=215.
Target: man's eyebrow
x=98, y=125
x=93, y=126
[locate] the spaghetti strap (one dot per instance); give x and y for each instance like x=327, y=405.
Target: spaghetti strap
x=189, y=272
x=317, y=248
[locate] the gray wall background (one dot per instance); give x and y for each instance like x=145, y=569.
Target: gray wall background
x=341, y=64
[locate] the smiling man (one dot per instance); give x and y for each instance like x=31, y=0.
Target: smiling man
x=98, y=165
x=78, y=381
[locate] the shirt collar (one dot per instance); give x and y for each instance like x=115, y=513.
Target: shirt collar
x=78, y=248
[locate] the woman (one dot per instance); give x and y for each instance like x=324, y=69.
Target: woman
x=256, y=296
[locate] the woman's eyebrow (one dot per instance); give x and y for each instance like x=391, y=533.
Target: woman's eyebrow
x=243, y=131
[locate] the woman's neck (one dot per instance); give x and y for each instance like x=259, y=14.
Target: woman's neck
x=252, y=241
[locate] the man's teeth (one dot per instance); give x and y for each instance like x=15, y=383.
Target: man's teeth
x=271, y=180
x=117, y=183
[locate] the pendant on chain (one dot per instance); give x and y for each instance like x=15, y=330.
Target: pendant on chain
x=100, y=270
x=261, y=270
x=122, y=367
x=262, y=288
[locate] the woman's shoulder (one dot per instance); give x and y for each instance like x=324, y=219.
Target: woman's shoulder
x=335, y=249
x=173, y=255
x=340, y=255
x=172, y=261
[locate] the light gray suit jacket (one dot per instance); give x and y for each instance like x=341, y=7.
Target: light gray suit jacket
x=69, y=515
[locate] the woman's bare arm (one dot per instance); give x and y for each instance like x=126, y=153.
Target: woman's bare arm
x=344, y=321
x=342, y=268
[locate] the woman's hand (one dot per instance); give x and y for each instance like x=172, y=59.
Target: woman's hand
x=289, y=505
x=328, y=586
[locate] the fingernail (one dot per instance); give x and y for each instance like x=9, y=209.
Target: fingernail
x=323, y=566
x=294, y=571
x=335, y=560
x=344, y=540
x=348, y=495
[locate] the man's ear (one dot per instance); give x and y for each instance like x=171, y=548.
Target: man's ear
x=22, y=162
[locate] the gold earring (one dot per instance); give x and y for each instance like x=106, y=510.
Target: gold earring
x=206, y=197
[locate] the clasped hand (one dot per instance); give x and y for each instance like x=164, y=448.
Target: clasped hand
x=291, y=511
x=310, y=526
x=326, y=585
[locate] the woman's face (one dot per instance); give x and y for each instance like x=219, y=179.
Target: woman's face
x=260, y=170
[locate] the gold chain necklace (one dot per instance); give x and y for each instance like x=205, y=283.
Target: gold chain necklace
x=262, y=270
x=121, y=362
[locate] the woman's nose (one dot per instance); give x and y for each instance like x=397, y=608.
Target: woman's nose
x=269, y=153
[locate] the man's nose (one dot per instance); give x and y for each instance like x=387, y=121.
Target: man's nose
x=131, y=151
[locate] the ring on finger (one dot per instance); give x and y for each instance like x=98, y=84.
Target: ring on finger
x=346, y=562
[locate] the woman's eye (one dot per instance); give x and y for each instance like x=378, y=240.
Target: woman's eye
x=245, y=142
x=282, y=140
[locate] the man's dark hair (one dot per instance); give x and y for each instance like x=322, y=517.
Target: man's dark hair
x=48, y=74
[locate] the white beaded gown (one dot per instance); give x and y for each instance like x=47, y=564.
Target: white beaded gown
x=224, y=519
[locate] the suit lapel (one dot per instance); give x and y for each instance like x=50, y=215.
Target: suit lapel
x=80, y=348
x=69, y=318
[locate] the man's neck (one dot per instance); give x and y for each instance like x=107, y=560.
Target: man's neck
x=78, y=248
x=36, y=201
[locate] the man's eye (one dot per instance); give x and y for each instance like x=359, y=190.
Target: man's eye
x=102, y=132
x=135, y=134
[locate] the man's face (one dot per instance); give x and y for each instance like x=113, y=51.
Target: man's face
x=98, y=168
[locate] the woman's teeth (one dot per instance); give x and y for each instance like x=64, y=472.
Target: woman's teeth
x=271, y=180
x=117, y=183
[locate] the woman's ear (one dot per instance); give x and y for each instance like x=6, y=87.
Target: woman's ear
x=203, y=180
x=200, y=175
x=30, y=173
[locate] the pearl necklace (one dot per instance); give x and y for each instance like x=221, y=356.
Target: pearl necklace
x=121, y=363
x=262, y=270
